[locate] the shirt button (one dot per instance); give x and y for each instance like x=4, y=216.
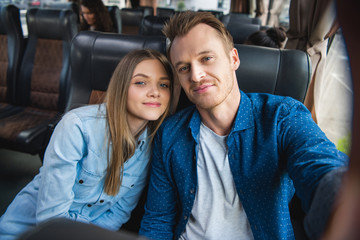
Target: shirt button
x=81, y=181
x=89, y=205
x=192, y=191
x=102, y=200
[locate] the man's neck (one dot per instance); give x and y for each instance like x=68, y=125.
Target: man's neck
x=220, y=118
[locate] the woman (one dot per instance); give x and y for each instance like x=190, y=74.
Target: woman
x=96, y=164
x=95, y=16
x=274, y=37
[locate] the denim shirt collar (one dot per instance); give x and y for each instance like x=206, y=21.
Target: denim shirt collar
x=142, y=139
x=244, y=118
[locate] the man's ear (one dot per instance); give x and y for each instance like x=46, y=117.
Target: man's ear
x=234, y=58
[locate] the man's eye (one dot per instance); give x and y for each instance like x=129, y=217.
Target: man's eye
x=164, y=85
x=207, y=59
x=183, y=69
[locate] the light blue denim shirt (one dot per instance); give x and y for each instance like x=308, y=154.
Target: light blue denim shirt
x=70, y=183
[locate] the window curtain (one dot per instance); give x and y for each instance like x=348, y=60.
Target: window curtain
x=269, y=11
x=311, y=24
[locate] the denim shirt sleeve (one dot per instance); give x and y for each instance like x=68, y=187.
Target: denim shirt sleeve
x=66, y=147
x=310, y=155
x=160, y=210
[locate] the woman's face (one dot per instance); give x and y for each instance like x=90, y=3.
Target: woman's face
x=149, y=93
x=88, y=16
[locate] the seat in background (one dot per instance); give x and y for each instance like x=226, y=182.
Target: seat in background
x=268, y=70
x=241, y=31
x=148, y=10
x=239, y=18
x=43, y=87
x=114, y=12
x=164, y=12
x=153, y=25
x=65, y=5
x=131, y=20
x=12, y=46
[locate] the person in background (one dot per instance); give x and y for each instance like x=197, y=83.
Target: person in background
x=228, y=166
x=95, y=16
x=274, y=37
x=96, y=164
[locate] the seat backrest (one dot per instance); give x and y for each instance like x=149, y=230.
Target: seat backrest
x=45, y=69
x=65, y=5
x=114, y=12
x=12, y=46
x=241, y=31
x=164, y=12
x=239, y=18
x=131, y=20
x=153, y=25
x=268, y=70
x=94, y=57
x=148, y=10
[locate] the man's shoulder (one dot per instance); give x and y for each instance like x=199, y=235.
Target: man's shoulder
x=259, y=100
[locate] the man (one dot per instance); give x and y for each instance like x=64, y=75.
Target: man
x=228, y=167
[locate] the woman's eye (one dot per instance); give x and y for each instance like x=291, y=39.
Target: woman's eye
x=140, y=83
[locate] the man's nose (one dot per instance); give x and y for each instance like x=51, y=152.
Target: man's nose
x=197, y=73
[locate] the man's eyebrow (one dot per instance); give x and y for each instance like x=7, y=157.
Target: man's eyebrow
x=199, y=54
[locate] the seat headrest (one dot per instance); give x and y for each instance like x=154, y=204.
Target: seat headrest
x=241, y=31
x=131, y=17
x=59, y=24
x=153, y=25
x=277, y=71
x=281, y=72
x=239, y=18
x=10, y=20
x=95, y=55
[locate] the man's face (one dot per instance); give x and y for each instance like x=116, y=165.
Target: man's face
x=206, y=71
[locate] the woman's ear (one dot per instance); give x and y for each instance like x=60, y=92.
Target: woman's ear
x=234, y=58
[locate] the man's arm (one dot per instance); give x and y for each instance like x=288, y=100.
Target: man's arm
x=323, y=203
x=160, y=208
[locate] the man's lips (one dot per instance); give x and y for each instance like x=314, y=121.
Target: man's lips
x=202, y=88
x=152, y=104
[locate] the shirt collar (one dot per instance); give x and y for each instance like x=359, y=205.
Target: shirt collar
x=244, y=117
x=142, y=139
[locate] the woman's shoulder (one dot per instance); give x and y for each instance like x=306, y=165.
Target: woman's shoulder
x=86, y=113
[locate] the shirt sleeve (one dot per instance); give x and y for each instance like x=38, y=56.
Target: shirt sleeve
x=160, y=208
x=66, y=147
x=310, y=154
x=120, y=213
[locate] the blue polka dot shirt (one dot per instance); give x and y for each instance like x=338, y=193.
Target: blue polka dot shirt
x=274, y=148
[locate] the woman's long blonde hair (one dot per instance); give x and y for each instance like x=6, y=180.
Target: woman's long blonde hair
x=123, y=142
